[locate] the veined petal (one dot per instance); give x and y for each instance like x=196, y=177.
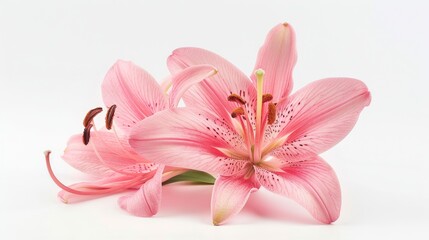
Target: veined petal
x=318, y=116
x=212, y=94
x=311, y=183
x=186, y=78
x=145, y=202
x=277, y=57
x=187, y=138
x=104, y=153
x=134, y=91
x=230, y=194
x=83, y=158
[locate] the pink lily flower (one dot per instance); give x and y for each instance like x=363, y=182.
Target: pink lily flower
x=131, y=95
x=252, y=132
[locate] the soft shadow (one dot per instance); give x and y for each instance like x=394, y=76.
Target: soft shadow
x=271, y=206
x=186, y=200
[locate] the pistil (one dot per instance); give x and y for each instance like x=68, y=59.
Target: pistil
x=96, y=191
x=259, y=104
x=259, y=91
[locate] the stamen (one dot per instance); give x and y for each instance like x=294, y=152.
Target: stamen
x=272, y=112
x=267, y=97
x=86, y=134
x=109, y=116
x=98, y=154
x=237, y=112
x=236, y=98
x=90, y=115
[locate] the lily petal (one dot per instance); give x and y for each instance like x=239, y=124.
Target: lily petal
x=311, y=183
x=319, y=115
x=230, y=194
x=134, y=91
x=83, y=158
x=212, y=94
x=188, y=138
x=145, y=202
x=186, y=78
x=111, y=155
x=277, y=57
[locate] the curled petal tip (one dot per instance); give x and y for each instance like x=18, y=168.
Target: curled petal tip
x=218, y=220
x=64, y=200
x=369, y=98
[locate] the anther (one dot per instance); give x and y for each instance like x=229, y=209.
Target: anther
x=236, y=98
x=86, y=134
x=90, y=116
x=237, y=112
x=271, y=113
x=267, y=97
x=109, y=116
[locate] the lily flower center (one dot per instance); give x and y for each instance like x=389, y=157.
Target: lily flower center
x=265, y=115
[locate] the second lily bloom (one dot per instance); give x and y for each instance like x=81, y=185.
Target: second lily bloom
x=131, y=95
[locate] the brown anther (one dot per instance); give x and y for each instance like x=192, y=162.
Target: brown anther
x=90, y=116
x=236, y=98
x=237, y=112
x=267, y=97
x=86, y=134
x=272, y=112
x=109, y=116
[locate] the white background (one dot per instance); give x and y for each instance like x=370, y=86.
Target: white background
x=53, y=57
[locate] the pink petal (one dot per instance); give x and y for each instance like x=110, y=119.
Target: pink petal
x=229, y=196
x=319, y=115
x=187, y=138
x=145, y=202
x=83, y=158
x=212, y=94
x=277, y=58
x=105, y=155
x=311, y=183
x=135, y=93
x=186, y=78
